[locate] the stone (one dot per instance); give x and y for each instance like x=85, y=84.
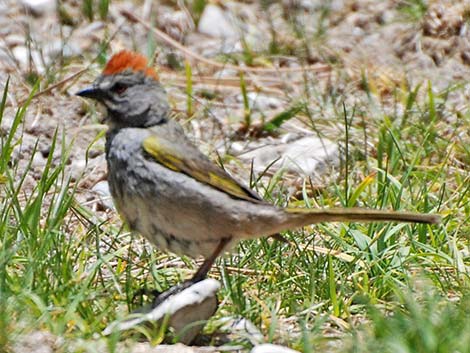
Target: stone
x=169, y=348
x=261, y=102
x=23, y=55
x=105, y=200
x=195, y=304
x=271, y=348
x=218, y=23
x=240, y=326
x=39, y=7
x=175, y=23
x=306, y=156
x=58, y=48
x=38, y=161
x=37, y=342
x=77, y=169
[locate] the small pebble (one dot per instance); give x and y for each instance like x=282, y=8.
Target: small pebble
x=104, y=195
x=272, y=348
x=39, y=7
x=77, y=168
x=217, y=23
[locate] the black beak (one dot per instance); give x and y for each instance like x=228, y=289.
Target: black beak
x=90, y=92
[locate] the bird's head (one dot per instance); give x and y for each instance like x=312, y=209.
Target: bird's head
x=130, y=91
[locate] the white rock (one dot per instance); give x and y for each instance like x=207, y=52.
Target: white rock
x=39, y=7
x=165, y=348
x=307, y=156
x=261, y=102
x=217, y=23
x=4, y=7
x=23, y=55
x=176, y=23
x=38, y=161
x=77, y=169
x=225, y=73
x=37, y=342
x=92, y=28
x=101, y=189
x=242, y=327
x=195, y=304
x=271, y=348
x=304, y=4
x=57, y=48
x=15, y=39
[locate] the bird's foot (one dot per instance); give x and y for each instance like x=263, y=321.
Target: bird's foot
x=161, y=297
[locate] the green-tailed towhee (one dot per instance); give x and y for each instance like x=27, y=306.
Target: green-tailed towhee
x=170, y=192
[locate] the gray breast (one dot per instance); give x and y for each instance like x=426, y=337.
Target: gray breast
x=141, y=191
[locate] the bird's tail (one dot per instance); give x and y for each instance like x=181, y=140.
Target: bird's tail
x=298, y=217
x=272, y=220
x=304, y=216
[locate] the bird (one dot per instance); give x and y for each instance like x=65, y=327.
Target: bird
x=167, y=190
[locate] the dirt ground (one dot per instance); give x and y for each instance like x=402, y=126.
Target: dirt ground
x=380, y=38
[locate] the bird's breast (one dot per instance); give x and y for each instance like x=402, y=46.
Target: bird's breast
x=152, y=199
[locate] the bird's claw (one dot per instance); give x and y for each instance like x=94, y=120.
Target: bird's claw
x=161, y=297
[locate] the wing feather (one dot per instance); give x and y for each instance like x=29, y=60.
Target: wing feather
x=196, y=165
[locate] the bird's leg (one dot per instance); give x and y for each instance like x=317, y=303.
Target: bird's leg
x=200, y=274
x=202, y=271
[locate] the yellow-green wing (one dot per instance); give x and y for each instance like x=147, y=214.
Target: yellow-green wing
x=190, y=161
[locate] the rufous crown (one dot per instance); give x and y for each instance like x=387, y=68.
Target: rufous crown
x=128, y=60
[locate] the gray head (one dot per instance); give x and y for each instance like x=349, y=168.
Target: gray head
x=130, y=91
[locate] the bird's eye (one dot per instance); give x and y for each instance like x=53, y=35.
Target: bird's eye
x=119, y=88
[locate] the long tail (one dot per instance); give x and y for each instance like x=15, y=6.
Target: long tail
x=292, y=218
x=311, y=216
x=299, y=217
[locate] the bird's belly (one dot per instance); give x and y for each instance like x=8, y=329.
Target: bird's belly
x=145, y=220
